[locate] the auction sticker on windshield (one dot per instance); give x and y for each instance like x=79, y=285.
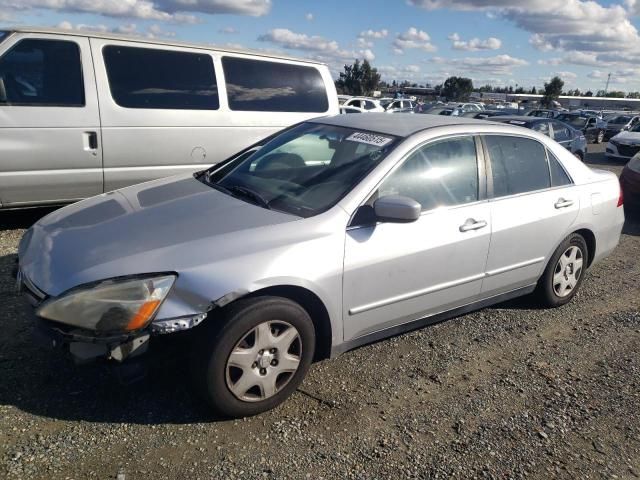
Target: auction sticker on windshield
x=369, y=138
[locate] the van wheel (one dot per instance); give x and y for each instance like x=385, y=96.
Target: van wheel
x=255, y=357
x=564, y=273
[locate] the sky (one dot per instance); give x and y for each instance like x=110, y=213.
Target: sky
x=500, y=42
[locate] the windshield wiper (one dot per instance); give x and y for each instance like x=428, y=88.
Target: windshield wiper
x=248, y=193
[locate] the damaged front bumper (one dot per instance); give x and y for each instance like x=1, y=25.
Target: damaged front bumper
x=85, y=346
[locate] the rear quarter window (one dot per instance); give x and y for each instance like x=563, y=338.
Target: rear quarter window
x=265, y=86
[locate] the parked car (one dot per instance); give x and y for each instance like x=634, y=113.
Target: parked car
x=364, y=104
x=466, y=107
x=624, y=145
x=567, y=136
x=447, y=111
x=592, y=127
x=400, y=106
x=630, y=181
x=351, y=110
x=620, y=123
x=343, y=98
x=86, y=113
x=270, y=260
x=542, y=113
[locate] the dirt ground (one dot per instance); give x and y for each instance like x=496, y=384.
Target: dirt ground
x=507, y=392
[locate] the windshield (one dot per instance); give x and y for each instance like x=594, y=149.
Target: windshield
x=305, y=170
x=573, y=120
x=3, y=35
x=636, y=128
x=621, y=120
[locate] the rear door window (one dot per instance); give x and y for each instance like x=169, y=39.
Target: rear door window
x=518, y=165
x=561, y=133
x=161, y=79
x=542, y=127
x=37, y=72
x=265, y=86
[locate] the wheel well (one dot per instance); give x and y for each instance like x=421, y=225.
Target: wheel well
x=314, y=307
x=590, y=238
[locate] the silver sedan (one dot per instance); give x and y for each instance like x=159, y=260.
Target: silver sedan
x=334, y=233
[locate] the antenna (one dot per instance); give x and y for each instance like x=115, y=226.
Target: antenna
x=606, y=88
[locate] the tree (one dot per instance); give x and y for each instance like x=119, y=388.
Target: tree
x=588, y=93
x=457, y=88
x=552, y=91
x=358, y=79
x=534, y=91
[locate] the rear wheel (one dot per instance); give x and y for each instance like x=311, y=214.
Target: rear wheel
x=564, y=273
x=255, y=358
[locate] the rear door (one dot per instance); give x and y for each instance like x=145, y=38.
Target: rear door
x=50, y=147
x=532, y=208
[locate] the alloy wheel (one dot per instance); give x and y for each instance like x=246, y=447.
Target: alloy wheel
x=568, y=271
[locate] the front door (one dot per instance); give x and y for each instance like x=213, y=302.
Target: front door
x=50, y=146
x=395, y=273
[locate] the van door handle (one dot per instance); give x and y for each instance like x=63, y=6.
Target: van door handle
x=91, y=142
x=562, y=203
x=472, y=224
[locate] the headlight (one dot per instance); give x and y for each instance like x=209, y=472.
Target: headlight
x=634, y=164
x=112, y=305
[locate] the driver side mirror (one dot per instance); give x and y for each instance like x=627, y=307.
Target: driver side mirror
x=397, y=209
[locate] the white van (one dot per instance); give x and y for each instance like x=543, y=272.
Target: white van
x=83, y=113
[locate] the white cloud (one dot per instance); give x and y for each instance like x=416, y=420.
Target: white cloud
x=153, y=31
x=567, y=76
x=228, y=30
x=374, y=34
x=475, y=44
x=179, y=11
x=580, y=25
x=413, y=39
x=324, y=49
x=309, y=16
x=499, y=64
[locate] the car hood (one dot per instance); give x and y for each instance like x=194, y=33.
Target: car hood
x=628, y=138
x=158, y=226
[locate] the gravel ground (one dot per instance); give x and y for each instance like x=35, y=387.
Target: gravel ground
x=507, y=392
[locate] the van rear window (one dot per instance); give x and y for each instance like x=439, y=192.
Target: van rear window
x=265, y=86
x=161, y=79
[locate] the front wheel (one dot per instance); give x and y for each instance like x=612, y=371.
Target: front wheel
x=255, y=358
x=564, y=273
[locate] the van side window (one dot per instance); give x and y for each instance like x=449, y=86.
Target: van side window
x=518, y=165
x=262, y=86
x=161, y=79
x=42, y=73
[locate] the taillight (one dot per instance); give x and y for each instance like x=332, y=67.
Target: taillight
x=621, y=197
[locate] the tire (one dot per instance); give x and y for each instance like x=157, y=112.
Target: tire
x=240, y=367
x=600, y=137
x=562, y=278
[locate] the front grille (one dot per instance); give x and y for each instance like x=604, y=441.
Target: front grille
x=628, y=150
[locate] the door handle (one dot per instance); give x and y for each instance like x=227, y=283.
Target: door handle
x=563, y=203
x=472, y=224
x=91, y=142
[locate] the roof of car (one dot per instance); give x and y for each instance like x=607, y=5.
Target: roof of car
x=141, y=39
x=519, y=118
x=400, y=125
